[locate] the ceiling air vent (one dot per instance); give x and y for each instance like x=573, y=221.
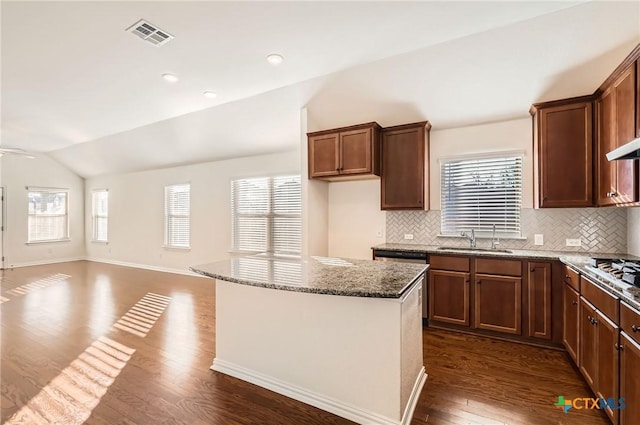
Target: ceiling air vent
x=150, y=33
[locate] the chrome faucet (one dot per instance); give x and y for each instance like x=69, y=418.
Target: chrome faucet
x=494, y=241
x=472, y=238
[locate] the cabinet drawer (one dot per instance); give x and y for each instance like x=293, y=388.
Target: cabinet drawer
x=571, y=278
x=630, y=321
x=445, y=262
x=601, y=299
x=499, y=267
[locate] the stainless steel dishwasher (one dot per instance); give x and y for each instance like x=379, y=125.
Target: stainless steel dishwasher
x=401, y=256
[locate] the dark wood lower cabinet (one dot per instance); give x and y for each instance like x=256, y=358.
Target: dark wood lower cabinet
x=498, y=303
x=571, y=321
x=588, y=363
x=607, y=345
x=629, y=382
x=449, y=297
x=539, y=282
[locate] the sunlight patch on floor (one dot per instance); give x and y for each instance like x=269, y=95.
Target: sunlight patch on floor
x=71, y=396
x=143, y=315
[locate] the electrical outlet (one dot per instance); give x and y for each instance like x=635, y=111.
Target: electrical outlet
x=573, y=242
x=538, y=239
x=408, y=236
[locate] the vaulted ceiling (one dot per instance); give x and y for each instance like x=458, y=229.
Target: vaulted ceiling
x=75, y=84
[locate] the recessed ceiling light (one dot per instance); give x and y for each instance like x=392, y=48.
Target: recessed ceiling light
x=275, y=59
x=170, y=78
x=210, y=94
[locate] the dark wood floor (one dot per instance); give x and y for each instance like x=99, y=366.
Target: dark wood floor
x=65, y=362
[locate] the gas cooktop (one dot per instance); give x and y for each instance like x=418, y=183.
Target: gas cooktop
x=617, y=269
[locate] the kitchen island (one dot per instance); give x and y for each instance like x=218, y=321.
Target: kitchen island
x=339, y=334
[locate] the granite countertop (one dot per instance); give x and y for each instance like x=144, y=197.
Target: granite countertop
x=320, y=275
x=515, y=253
x=629, y=294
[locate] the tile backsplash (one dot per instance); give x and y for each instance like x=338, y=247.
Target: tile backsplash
x=599, y=229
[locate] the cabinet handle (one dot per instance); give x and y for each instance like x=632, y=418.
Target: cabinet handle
x=533, y=269
x=635, y=328
x=478, y=282
x=574, y=302
x=618, y=346
x=589, y=318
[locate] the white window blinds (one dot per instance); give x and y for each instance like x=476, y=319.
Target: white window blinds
x=48, y=215
x=100, y=215
x=267, y=214
x=478, y=193
x=177, y=216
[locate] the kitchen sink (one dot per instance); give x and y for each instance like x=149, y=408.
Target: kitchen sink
x=457, y=248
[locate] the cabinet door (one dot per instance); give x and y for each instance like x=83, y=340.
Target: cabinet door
x=571, y=320
x=629, y=382
x=625, y=130
x=356, y=151
x=324, y=155
x=588, y=360
x=607, y=382
x=539, y=283
x=498, y=303
x=566, y=156
x=404, y=168
x=605, y=143
x=449, y=297
x=638, y=98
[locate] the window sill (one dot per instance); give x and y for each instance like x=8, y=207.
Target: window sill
x=48, y=241
x=502, y=238
x=101, y=242
x=176, y=248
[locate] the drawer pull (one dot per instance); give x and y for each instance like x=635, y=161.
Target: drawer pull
x=533, y=269
x=574, y=302
x=635, y=328
x=618, y=346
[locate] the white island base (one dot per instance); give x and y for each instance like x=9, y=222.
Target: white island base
x=357, y=357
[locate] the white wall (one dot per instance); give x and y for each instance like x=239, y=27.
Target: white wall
x=633, y=231
x=136, y=210
x=18, y=173
x=356, y=222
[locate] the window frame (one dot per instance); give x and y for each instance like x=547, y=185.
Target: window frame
x=167, y=217
x=270, y=216
x=48, y=190
x=95, y=215
x=518, y=157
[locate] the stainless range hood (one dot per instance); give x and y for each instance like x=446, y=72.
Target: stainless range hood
x=630, y=150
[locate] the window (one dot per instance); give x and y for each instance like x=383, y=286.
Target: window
x=48, y=215
x=478, y=193
x=177, y=216
x=100, y=215
x=267, y=214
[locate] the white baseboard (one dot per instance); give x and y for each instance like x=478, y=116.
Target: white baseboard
x=144, y=266
x=318, y=400
x=44, y=262
x=413, y=397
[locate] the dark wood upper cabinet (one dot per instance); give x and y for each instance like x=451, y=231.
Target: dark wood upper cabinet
x=638, y=98
x=539, y=291
x=625, y=131
x=563, y=149
x=345, y=152
x=606, y=170
x=405, y=167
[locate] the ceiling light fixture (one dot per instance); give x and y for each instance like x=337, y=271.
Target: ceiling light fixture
x=209, y=94
x=170, y=78
x=275, y=59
